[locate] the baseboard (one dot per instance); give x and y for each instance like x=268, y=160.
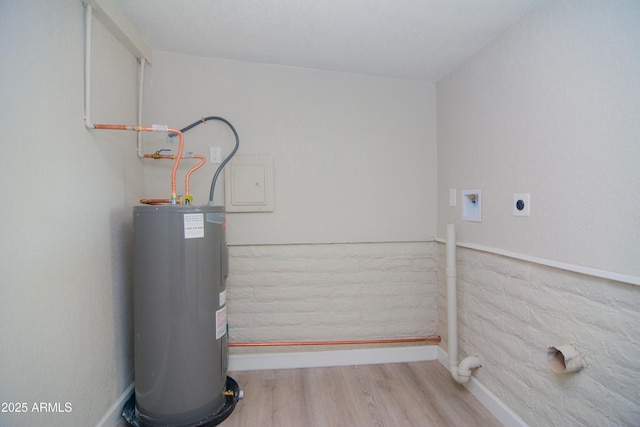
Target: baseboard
x=308, y=359
x=316, y=359
x=313, y=359
x=113, y=417
x=498, y=409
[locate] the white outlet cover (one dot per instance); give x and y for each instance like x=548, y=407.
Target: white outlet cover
x=215, y=154
x=521, y=204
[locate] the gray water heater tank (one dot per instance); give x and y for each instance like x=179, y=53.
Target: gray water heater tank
x=180, y=327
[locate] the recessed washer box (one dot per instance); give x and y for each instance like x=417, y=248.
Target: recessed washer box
x=472, y=205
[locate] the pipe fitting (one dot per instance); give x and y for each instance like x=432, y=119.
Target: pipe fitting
x=467, y=364
x=564, y=359
x=462, y=372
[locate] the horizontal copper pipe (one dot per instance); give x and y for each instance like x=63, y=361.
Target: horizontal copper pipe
x=436, y=339
x=155, y=201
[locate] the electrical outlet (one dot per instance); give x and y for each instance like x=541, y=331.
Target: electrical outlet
x=521, y=204
x=215, y=154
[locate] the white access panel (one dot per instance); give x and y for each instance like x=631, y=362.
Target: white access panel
x=249, y=184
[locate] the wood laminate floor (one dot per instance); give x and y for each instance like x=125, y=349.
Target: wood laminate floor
x=389, y=395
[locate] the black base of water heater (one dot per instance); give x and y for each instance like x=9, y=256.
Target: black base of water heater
x=132, y=417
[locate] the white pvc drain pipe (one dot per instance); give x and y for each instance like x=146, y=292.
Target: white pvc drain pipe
x=460, y=372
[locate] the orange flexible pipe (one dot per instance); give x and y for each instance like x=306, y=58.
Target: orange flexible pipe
x=175, y=165
x=196, y=167
x=139, y=128
x=187, y=196
x=352, y=342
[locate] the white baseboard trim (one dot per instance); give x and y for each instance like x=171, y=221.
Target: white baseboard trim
x=114, y=415
x=316, y=359
x=307, y=359
x=498, y=409
x=595, y=272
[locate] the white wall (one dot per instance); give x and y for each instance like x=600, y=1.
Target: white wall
x=550, y=108
x=354, y=161
x=355, y=157
x=65, y=310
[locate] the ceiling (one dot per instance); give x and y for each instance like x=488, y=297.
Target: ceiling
x=409, y=39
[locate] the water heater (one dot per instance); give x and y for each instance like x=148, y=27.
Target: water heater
x=180, y=321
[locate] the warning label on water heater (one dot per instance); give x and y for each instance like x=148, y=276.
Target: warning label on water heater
x=193, y=226
x=221, y=322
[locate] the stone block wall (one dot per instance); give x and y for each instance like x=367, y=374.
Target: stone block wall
x=334, y=292
x=511, y=311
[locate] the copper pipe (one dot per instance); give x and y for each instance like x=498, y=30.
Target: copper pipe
x=203, y=160
x=115, y=127
x=155, y=201
x=155, y=128
x=175, y=165
x=198, y=166
x=436, y=339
